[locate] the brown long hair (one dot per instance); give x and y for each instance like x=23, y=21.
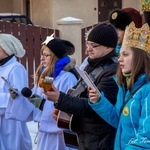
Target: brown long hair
x=49, y=69
x=140, y=65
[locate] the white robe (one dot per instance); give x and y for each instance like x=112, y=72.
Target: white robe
x=50, y=136
x=14, y=135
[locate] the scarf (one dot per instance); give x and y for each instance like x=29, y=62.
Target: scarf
x=5, y=60
x=59, y=65
x=127, y=76
x=94, y=63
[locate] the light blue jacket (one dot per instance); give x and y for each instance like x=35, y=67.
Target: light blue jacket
x=133, y=125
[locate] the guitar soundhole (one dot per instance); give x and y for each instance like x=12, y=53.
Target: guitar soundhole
x=71, y=139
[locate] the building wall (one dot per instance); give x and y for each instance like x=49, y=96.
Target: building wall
x=4, y=6
x=41, y=12
x=77, y=9
x=11, y=6
x=47, y=12
x=87, y=11
x=17, y=6
x=133, y=3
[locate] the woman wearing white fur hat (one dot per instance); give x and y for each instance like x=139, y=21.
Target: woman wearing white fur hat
x=14, y=134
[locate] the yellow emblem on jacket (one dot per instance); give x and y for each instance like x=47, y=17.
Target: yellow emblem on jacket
x=126, y=111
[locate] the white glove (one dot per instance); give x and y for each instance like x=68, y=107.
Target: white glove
x=36, y=100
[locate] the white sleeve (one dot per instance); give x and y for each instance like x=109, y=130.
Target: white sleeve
x=20, y=109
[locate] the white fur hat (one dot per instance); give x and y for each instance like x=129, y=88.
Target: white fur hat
x=11, y=45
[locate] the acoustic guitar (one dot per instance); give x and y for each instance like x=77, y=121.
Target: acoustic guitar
x=70, y=137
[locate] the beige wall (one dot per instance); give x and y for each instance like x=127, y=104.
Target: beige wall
x=4, y=6
x=11, y=6
x=132, y=3
x=47, y=12
x=17, y=6
x=41, y=12
x=23, y=7
x=77, y=9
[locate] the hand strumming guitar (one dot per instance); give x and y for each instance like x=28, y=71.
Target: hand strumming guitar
x=52, y=95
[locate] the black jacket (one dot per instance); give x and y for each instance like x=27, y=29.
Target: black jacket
x=93, y=132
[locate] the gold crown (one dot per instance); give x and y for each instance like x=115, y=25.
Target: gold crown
x=137, y=37
x=145, y=5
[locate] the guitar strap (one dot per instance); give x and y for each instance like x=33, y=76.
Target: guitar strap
x=93, y=75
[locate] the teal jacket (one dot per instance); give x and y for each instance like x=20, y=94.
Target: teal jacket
x=133, y=124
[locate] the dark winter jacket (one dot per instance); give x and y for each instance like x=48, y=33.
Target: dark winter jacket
x=93, y=132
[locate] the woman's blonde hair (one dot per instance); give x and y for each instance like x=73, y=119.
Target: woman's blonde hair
x=48, y=71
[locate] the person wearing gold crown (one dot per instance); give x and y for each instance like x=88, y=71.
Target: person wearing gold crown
x=131, y=114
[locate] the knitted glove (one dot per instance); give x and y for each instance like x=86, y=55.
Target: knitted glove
x=12, y=93
x=36, y=100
